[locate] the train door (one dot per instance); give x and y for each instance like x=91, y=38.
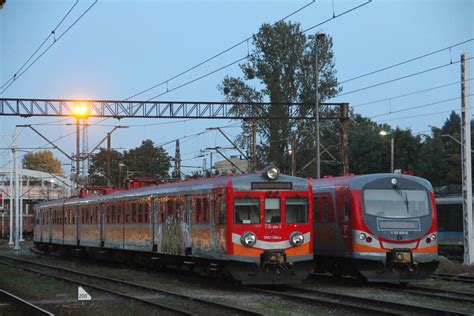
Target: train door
x=154, y=224
x=50, y=225
x=188, y=219
x=41, y=223
x=77, y=215
x=101, y=216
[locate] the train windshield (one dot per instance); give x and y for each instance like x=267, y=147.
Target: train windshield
x=247, y=211
x=296, y=211
x=396, y=203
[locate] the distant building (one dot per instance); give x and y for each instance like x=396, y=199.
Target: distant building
x=225, y=167
x=36, y=186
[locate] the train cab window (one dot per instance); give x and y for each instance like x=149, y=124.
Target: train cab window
x=296, y=210
x=247, y=211
x=272, y=210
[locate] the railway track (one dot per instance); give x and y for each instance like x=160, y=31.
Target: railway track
x=375, y=304
x=11, y=304
x=422, y=291
x=173, y=302
x=453, y=277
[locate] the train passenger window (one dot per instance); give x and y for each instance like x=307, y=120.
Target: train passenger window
x=316, y=211
x=247, y=211
x=325, y=211
x=140, y=213
x=91, y=215
x=205, y=209
x=134, y=213
x=296, y=210
x=119, y=214
x=146, y=212
x=272, y=210
x=127, y=213
x=198, y=210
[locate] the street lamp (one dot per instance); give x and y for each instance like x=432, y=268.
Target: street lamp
x=392, y=149
x=80, y=111
x=316, y=105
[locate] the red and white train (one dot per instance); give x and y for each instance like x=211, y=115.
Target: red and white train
x=382, y=226
x=255, y=227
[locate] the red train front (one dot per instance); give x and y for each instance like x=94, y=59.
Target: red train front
x=382, y=226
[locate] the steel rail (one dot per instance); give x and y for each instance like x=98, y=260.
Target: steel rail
x=162, y=306
x=453, y=277
x=462, y=297
x=24, y=305
x=240, y=311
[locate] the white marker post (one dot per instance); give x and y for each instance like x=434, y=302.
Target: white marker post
x=82, y=295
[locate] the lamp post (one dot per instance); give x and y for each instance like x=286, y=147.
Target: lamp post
x=392, y=149
x=80, y=112
x=316, y=105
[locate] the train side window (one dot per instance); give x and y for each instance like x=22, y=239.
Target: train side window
x=134, y=213
x=114, y=215
x=198, y=207
x=119, y=214
x=247, y=211
x=272, y=210
x=140, y=212
x=316, y=211
x=205, y=213
x=91, y=215
x=222, y=212
x=346, y=210
x=146, y=212
x=325, y=210
x=127, y=213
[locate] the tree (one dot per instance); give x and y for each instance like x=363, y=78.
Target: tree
x=98, y=168
x=148, y=160
x=42, y=161
x=282, y=66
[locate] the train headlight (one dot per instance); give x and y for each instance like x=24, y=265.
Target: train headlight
x=394, y=182
x=433, y=237
x=296, y=239
x=248, y=239
x=362, y=236
x=271, y=173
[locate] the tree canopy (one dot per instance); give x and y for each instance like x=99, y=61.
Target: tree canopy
x=280, y=69
x=43, y=160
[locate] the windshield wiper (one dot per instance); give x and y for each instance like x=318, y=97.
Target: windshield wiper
x=405, y=198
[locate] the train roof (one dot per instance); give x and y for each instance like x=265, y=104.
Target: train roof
x=238, y=183
x=358, y=181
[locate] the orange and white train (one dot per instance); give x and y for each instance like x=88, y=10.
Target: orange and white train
x=380, y=226
x=255, y=227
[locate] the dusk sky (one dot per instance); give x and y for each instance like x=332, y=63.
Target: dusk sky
x=120, y=48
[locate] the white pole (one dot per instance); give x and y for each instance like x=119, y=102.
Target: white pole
x=466, y=162
x=17, y=200
x=11, y=200
x=21, y=201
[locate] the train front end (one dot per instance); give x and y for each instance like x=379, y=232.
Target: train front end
x=270, y=237
x=394, y=235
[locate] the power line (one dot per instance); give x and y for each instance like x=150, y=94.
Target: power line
x=417, y=107
x=41, y=45
x=249, y=55
x=406, y=61
x=18, y=75
x=408, y=94
x=400, y=78
x=420, y=115
x=215, y=56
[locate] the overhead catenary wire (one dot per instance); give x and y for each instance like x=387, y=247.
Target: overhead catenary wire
x=420, y=115
x=215, y=56
x=416, y=107
x=407, y=61
x=18, y=75
x=249, y=55
x=52, y=33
